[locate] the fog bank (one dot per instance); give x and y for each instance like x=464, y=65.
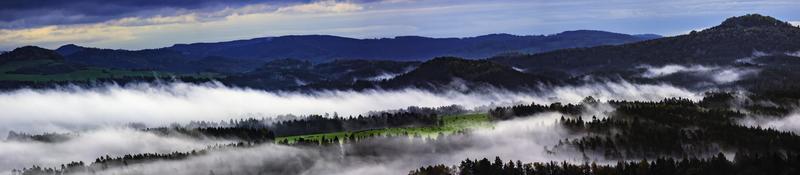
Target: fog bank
x=69, y=109
x=528, y=139
x=88, y=145
x=716, y=74
x=790, y=123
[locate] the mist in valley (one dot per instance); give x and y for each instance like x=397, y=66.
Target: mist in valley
x=90, y=144
x=76, y=108
x=529, y=138
x=98, y=120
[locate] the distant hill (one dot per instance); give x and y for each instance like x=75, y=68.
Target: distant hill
x=149, y=59
x=154, y=59
x=736, y=38
x=438, y=74
x=291, y=73
x=445, y=71
x=33, y=60
x=31, y=66
x=240, y=55
x=29, y=53
x=751, y=51
x=648, y=36
x=321, y=48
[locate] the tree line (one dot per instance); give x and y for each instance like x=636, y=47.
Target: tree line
x=742, y=164
x=256, y=135
x=672, y=127
x=316, y=124
x=108, y=162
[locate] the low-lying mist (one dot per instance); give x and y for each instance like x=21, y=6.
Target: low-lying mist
x=527, y=139
x=789, y=123
x=74, y=108
x=715, y=74
x=96, y=114
x=88, y=145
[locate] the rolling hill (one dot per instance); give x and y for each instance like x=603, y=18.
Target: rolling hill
x=33, y=60
x=240, y=55
x=461, y=74
x=32, y=66
x=751, y=50
x=321, y=48
x=291, y=73
x=736, y=38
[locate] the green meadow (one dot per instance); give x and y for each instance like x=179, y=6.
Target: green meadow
x=450, y=125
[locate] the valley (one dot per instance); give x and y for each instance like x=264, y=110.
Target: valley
x=718, y=100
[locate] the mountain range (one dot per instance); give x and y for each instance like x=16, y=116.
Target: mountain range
x=752, y=50
x=736, y=38
x=321, y=48
x=246, y=55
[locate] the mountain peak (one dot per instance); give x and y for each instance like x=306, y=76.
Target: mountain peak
x=753, y=20
x=648, y=36
x=69, y=49
x=438, y=60
x=69, y=45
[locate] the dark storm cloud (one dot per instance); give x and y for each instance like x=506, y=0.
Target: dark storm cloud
x=27, y=13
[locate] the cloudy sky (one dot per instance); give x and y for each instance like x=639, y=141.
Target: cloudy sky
x=138, y=24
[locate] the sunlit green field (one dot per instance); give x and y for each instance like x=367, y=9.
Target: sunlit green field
x=451, y=124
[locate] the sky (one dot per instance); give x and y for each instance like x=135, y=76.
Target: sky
x=142, y=24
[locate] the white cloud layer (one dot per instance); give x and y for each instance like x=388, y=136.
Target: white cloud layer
x=74, y=108
x=654, y=72
x=794, y=54
x=69, y=109
x=716, y=74
x=527, y=139
x=790, y=123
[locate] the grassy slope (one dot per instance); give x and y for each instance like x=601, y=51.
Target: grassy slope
x=452, y=124
x=87, y=74
x=11, y=66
